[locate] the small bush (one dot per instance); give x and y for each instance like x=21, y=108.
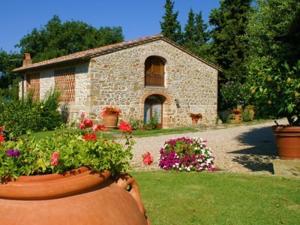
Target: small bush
x=136, y=124
x=248, y=114
x=21, y=116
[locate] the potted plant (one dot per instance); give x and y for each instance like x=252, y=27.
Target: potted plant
x=71, y=177
x=110, y=115
x=195, y=117
x=273, y=79
x=236, y=115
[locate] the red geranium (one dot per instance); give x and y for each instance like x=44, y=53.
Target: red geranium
x=90, y=137
x=99, y=127
x=54, y=158
x=81, y=126
x=88, y=122
x=2, y=138
x=125, y=127
x=147, y=158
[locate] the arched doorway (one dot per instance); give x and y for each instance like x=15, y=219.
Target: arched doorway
x=153, y=109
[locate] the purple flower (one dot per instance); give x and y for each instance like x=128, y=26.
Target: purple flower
x=15, y=153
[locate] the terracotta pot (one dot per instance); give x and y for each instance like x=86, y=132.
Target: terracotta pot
x=110, y=120
x=288, y=141
x=77, y=198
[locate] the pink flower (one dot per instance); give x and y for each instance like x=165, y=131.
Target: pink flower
x=125, y=127
x=99, y=127
x=147, y=158
x=81, y=126
x=54, y=159
x=88, y=122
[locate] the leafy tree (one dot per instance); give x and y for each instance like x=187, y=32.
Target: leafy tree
x=58, y=38
x=230, y=46
x=8, y=84
x=170, y=27
x=274, y=64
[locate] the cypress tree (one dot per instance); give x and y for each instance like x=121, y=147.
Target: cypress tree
x=189, y=36
x=170, y=27
x=230, y=47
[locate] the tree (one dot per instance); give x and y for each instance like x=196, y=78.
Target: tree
x=58, y=38
x=202, y=35
x=189, y=36
x=170, y=27
x=8, y=84
x=230, y=46
x=273, y=81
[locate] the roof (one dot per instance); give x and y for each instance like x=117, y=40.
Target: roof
x=88, y=54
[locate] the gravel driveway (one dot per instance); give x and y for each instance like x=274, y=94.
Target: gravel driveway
x=247, y=149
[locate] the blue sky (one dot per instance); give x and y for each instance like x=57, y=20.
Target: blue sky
x=138, y=18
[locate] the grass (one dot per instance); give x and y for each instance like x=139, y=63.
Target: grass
x=173, y=198
x=157, y=132
x=136, y=133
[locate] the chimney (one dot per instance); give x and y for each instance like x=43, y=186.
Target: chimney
x=27, y=60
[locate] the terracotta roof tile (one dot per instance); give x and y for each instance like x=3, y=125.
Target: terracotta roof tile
x=90, y=53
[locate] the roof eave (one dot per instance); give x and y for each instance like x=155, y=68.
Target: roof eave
x=38, y=67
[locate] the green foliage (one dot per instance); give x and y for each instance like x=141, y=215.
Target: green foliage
x=248, y=113
x=58, y=38
x=195, y=36
x=8, y=80
x=170, y=27
x=273, y=84
x=152, y=123
x=229, y=45
x=21, y=116
x=136, y=124
x=74, y=152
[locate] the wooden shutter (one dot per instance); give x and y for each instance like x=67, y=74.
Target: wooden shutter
x=65, y=84
x=154, y=71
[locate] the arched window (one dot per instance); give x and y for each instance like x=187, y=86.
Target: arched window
x=155, y=71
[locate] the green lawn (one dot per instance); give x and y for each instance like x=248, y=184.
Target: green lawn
x=136, y=133
x=173, y=198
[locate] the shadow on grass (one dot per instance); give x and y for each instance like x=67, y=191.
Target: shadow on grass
x=259, y=156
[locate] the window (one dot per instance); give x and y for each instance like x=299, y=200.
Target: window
x=154, y=71
x=33, y=85
x=65, y=84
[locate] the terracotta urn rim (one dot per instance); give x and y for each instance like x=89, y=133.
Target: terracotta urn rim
x=52, y=186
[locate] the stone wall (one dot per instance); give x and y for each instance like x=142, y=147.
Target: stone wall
x=118, y=79
x=82, y=87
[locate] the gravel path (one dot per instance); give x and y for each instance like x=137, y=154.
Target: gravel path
x=237, y=149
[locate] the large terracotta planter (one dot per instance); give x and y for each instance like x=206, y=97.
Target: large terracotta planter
x=288, y=141
x=77, y=198
x=110, y=120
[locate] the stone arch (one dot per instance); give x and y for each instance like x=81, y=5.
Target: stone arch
x=158, y=101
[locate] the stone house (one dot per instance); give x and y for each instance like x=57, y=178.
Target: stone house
x=145, y=78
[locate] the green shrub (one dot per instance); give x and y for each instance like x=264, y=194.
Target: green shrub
x=136, y=124
x=21, y=116
x=152, y=124
x=248, y=113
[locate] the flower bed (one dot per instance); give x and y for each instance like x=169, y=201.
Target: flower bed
x=186, y=154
